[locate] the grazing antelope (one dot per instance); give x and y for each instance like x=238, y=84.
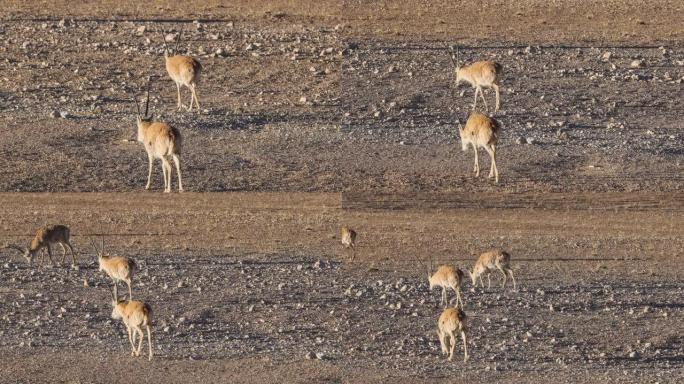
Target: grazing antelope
x=44, y=238
x=135, y=315
x=451, y=322
x=118, y=268
x=491, y=261
x=480, y=74
x=183, y=70
x=348, y=236
x=161, y=141
x=481, y=131
x=446, y=276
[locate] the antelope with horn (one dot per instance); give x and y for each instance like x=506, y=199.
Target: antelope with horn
x=446, y=276
x=43, y=239
x=161, y=141
x=480, y=74
x=183, y=70
x=118, y=268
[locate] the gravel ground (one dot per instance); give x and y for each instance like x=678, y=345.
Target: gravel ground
x=318, y=115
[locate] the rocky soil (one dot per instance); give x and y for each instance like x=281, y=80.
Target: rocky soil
x=321, y=114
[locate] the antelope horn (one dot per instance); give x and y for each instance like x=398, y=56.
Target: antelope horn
x=166, y=47
x=92, y=243
x=453, y=57
x=147, y=102
x=137, y=106
x=179, y=38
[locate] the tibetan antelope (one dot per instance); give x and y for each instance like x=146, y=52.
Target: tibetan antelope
x=348, y=236
x=481, y=131
x=451, y=322
x=183, y=70
x=491, y=261
x=118, y=268
x=161, y=141
x=480, y=74
x=46, y=236
x=135, y=315
x=446, y=276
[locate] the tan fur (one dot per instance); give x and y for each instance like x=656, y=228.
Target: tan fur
x=44, y=238
x=183, y=70
x=161, y=141
x=492, y=261
x=135, y=315
x=348, y=237
x=451, y=322
x=118, y=268
x=482, y=131
x=445, y=277
x=481, y=74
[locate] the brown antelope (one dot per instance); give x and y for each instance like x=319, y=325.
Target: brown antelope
x=480, y=74
x=491, y=261
x=451, y=322
x=135, y=315
x=183, y=70
x=446, y=276
x=161, y=141
x=481, y=131
x=118, y=268
x=44, y=238
x=348, y=236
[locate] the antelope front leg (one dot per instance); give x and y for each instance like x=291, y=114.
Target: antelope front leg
x=483, y=99
x=194, y=93
x=149, y=341
x=476, y=168
x=63, y=252
x=130, y=292
x=142, y=336
x=50, y=254
x=73, y=257
x=496, y=89
x=510, y=272
x=149, y=170
x=179, y=99
x=475, y=101
x=465, y=347
x=452, y=337
x=503, y=286
x=166, y=166
x=492, y=168
x=116, y=293
x=130, y=339
x=442, y=342
x=176, y=161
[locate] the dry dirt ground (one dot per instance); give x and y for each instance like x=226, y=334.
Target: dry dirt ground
x=245, y=286
x=319, y=115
